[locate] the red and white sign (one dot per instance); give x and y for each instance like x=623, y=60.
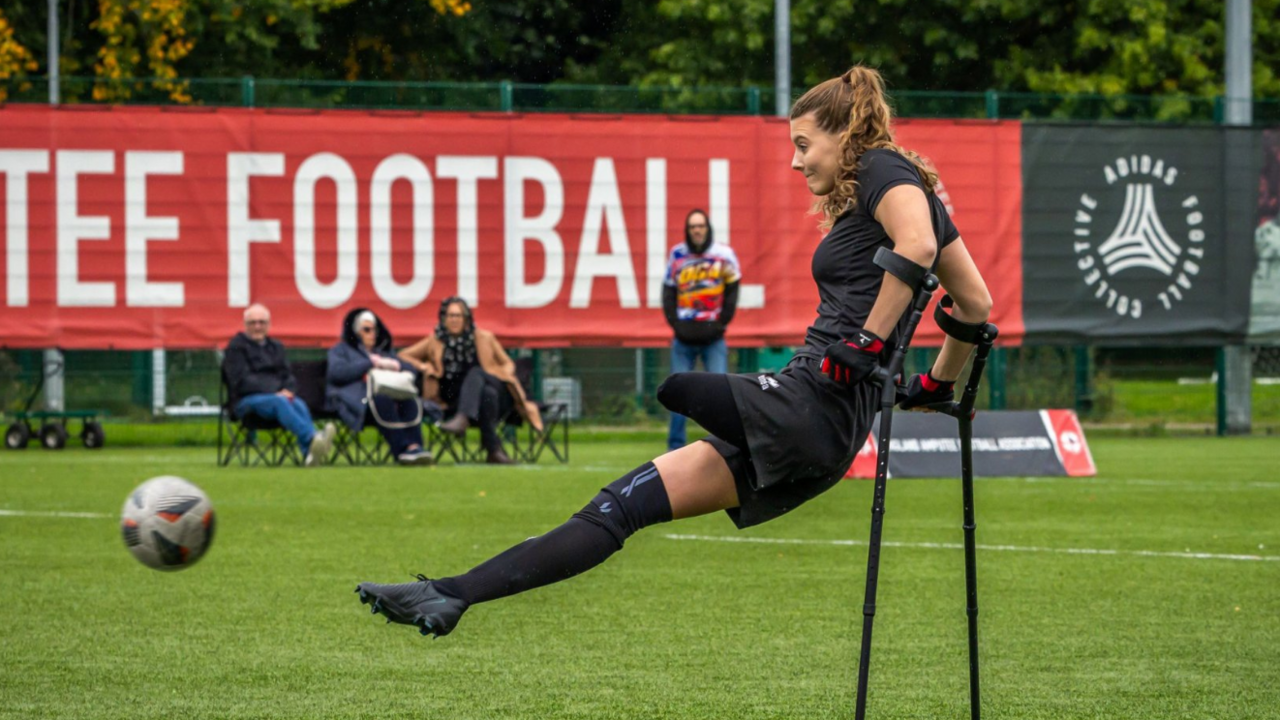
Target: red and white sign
x=1006, y=443
x=144, y=227
x=1068, y=442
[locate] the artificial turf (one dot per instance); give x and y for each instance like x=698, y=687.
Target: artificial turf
x=267, y=625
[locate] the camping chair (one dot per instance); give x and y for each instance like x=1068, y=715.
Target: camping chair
x=555, y=419
x=354, y=448
x=241, y=439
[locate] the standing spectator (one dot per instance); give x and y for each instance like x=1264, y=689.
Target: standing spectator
x=477, y=379
x=261, y=384
x=366, y=345
x=699, y=299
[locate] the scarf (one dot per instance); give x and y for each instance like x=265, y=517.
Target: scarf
x=459, y=355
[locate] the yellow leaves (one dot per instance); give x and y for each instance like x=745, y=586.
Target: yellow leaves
x=457, y=8
x=15, y=59
x=160, y=25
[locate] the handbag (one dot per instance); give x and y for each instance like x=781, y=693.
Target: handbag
x=395, y=384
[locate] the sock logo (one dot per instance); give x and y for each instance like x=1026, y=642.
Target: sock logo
x=639, y=480
x=606, y=507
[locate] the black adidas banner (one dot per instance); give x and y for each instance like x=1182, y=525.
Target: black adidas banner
x=1138, y=234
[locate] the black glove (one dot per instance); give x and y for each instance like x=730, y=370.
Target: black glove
x=852, y=361
x=925, y=389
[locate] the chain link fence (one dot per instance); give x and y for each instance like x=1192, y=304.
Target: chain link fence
x=172, y=397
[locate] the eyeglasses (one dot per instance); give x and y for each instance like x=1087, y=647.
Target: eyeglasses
x=257, y=322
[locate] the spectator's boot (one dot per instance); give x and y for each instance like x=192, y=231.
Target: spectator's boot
x=456, y=425
x=498, y=456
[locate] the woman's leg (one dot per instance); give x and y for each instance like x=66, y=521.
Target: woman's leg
x=400, y=440
x=691, y=481
x=487, y=417
x=469, y=394
x=708, y=399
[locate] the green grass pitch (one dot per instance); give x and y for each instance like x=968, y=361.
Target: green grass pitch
x=267, y=625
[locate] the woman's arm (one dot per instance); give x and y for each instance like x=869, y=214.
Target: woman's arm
x=419, y=356
x=962, y=281
x=904, y=215
x=347, y=365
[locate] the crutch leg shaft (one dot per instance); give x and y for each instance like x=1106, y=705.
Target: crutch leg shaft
x=964, y=415
x=888, y=395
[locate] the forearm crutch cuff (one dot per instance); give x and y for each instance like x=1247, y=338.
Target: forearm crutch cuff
x=965, y=332
x=914, y=274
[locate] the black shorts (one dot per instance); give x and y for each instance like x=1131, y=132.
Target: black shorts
x=802, y=431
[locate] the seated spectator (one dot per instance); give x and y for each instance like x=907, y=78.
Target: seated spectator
x=365, y=345
x=477, y=379
x=261, y=384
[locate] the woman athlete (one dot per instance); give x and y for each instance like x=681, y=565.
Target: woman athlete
x=780, y=440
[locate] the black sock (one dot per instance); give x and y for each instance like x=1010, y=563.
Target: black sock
x=634, y=501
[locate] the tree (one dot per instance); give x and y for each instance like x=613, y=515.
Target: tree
x=1094, y=46
x=16, y=61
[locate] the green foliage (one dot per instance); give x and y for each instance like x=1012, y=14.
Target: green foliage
x=1095, y=46
x=1108, y=47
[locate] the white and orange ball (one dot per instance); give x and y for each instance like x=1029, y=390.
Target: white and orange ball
x=167, y=523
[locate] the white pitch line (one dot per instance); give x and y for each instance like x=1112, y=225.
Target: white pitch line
x=996, y=548
x=50, y=513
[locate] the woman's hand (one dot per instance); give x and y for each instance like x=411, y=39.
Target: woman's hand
x=534, y=415
x=924, y=390
x=852, y=361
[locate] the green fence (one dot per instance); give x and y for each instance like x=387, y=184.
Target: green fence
x=569, y=98
x=1132, y=389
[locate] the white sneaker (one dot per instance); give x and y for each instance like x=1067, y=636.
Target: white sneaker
x=321, y=444
x=416, y=457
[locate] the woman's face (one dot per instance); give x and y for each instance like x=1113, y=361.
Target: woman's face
x=816, y=156
x=368, y=334
x=455, y=318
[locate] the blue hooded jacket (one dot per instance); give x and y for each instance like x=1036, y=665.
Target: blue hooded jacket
x=345, y=392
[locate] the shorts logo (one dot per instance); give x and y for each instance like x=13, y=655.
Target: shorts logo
x=1140, y=242
x=767, y=381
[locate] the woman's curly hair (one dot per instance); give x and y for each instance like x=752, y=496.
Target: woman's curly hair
x=853, y=106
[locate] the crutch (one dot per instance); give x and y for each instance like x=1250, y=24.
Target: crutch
x=982, y=335
x=924, y=283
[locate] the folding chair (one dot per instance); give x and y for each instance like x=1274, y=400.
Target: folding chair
x=240, y=439
x=353, y=448
x=555, y=418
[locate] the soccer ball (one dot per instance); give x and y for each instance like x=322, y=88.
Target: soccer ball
x=167, y=523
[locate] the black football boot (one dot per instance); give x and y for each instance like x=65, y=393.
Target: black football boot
x=419, y=604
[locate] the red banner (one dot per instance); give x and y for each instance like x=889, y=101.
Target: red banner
x=144, y=227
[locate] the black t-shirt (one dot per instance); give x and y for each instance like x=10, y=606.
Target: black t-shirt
x=848, y=281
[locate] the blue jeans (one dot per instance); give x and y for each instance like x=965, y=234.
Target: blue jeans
x=291, y=413
x=715, y=358
x=396, y=411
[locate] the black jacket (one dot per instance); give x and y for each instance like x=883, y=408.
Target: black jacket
x=252, y=369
